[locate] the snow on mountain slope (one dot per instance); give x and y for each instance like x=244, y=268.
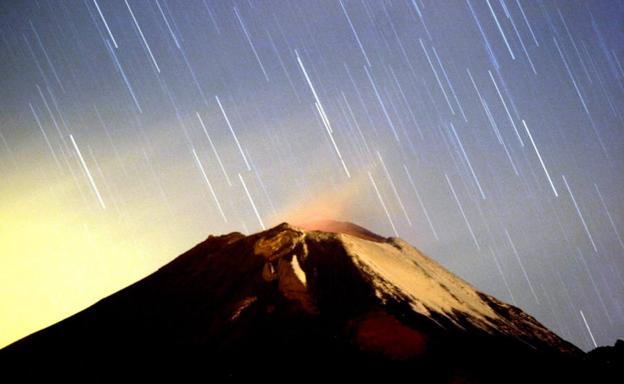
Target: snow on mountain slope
x=399, y=271
x=324, y=298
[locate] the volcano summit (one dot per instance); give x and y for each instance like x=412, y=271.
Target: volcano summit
x=323, y=299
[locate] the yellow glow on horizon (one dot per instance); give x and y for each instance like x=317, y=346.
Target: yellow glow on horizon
x=61, y=252
x=56, y=259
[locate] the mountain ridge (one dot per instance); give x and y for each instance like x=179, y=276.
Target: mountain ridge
x=294, y=295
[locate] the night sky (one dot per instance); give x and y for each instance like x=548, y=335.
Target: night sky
x=488, y=134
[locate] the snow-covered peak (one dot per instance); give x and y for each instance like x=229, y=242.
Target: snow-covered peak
x=329, y=299
x=398, y=272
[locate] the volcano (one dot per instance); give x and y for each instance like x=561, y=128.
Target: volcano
x=323, y=299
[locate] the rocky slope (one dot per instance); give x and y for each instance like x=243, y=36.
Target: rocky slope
x=318, y=300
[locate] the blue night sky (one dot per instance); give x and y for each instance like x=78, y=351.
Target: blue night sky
x=488, y=134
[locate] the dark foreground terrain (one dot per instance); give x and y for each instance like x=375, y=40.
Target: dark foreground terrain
x=323, y=300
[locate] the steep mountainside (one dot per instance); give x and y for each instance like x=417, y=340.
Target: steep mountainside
x=322, y=299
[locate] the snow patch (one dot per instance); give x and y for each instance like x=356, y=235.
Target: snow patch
x=397, y=268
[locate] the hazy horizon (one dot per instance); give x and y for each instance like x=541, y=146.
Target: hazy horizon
x=488, y=134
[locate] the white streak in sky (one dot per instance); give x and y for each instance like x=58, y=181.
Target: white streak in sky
x=437, y=77
x=45, y=136
x=88, y=173
x=305, y=74
x=498, y=135
x=461, y=209
x=524, y=272
x=214, y=22
x=253, y=48
x=461, y=146
x=506, y=109
x=322, y=113
x=142, y=37
x=324, y=118
x=281, y=61
x=175, y=38
x=576, y=88
x=253, y=205
x=105, y=24
x=589, y=330
x=383, y=205
x=212, y=192
x=604, y=206
x=331, y=137
x=501, y=30
x=124, y=77
x=435, y=52
x=357, y=38
x=591, y=239
x=214, y=150
x=524, y=48
x=578, y=54
x=45, y=53
x=422, y=206
x=420, y=16
x=500, y=271
x=394, y=189
x=540, y=159
x=580, y=95
x=527, y=22
x=485, y=40
x=383, y=106
x=227, y=120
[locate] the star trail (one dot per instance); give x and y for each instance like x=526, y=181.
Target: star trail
x=489, y=134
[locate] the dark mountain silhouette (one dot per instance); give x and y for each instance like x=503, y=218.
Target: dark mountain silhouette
x=324, y=299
